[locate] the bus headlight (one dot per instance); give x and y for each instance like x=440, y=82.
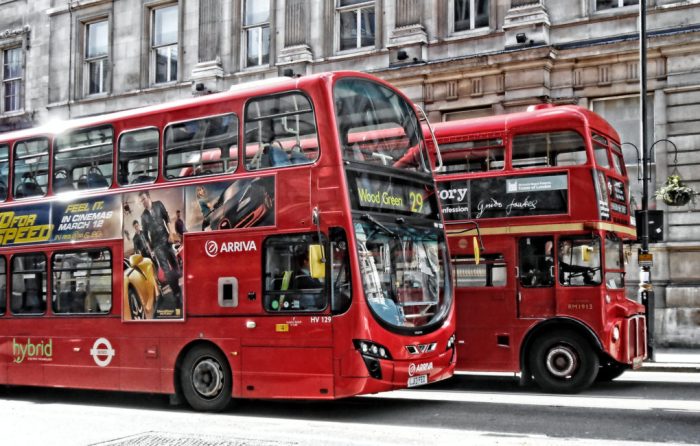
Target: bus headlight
x=616, y=333
x=369, y=348
x=451, y=342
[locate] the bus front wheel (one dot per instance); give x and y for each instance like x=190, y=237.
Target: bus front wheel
x=563, y=362
x=205, y=379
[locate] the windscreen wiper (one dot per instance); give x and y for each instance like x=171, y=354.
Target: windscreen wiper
x=374, y=221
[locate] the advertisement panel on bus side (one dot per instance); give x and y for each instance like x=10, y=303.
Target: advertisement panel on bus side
x=155, y=223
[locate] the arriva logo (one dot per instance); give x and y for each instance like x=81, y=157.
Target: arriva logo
x=213, y=249
x=420, y=368
x=42, y=351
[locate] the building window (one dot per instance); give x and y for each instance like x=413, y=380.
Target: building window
x=256, y=28
x=96, y=56
x=601, y=5
x=470, y=14
x=356, y=24
x=164, y=49
x=12, y=72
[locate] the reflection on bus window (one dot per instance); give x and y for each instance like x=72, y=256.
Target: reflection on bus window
x=377, y=126
x=280, y=131
x=614, y=263
x=31, y=167
x=565, y=148
x=138, y=157
x=3, y=285
x=289, y=282
x=341, y=278
x=82, y=282
x=490, y=272
x=28, y=284
x=579, y=262
x=536, y=265
x=473, y=156
x=201, y=147
x=4, y=170
x=83, y=160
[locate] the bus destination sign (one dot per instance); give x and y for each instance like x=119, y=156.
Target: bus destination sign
x=385, y=194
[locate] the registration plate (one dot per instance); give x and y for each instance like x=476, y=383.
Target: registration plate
x=419, y=380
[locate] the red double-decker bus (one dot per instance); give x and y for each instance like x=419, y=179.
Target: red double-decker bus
x=548, y=190
x=280, y=240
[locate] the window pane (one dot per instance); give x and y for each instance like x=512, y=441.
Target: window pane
x=11, y=93
x=348, y=30
x=461, y=15
x=4, y=170
x=256, y=11
x=172, y=73
x=97, y=39
x=605, y=4
x=31, y=166
x=165, y=26
x=138, y=157
x=548, y=149
x=367, y=27
x=258, y=50
x=166, y=64
x=201, y=147
x=3, y=285
x=473, y=156
x=83, y=160
x=482, y=13
x=350, y=2
x=12, y=63
x=97, y=76
x=601, y=156
x=579, y=262
x=630, y=2
x=280, y=131
x=28, y=284
x=82, y=282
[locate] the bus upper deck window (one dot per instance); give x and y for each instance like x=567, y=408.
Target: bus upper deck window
x=473, y=156
x=551, y=149
x=83, y=160
x=207, y=146
x=618, y=159
x=138, y=157
x=4, y=170
x=600, y=151
x=280, y=131
x=31, y=166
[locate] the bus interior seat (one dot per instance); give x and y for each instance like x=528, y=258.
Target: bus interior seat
x=28, y=187
x=62, y=184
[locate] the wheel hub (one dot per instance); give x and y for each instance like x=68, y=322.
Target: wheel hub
x=562, y=361
x=208, y=378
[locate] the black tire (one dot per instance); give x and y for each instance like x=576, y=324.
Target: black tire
x=610, y=371
x=135, y=305
x=563, y=362
x=206, y=380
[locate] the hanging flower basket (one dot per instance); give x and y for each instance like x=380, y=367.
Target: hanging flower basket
x=674, y=192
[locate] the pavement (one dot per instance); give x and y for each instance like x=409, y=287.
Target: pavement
x=673, y=360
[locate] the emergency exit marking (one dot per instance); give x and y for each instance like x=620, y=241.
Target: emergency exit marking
x=282, y=327
x=646, y=259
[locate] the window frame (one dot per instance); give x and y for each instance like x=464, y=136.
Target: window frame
x=472, y=18
x=42, y=296
x=5, y=164
x=555, y=135
x=55, y=161
x=490, y=264
x=19, y=95
x=55, y=281
x=4, y=276
x=245, y=121
x=102, y=60
x=246, y=27
x=157, y=156
x=164, y=154
x=154, y=48
x=307, y=238
x=46, y=154
x=576, y=241
x=620, y=4
x=357, y=9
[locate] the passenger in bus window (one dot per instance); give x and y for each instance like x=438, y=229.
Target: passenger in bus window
x=156, y=225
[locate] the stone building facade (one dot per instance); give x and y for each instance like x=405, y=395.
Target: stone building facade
x=457, y=58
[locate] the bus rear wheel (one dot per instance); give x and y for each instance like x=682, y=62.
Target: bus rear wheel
x=206, y=380
x=563, y=362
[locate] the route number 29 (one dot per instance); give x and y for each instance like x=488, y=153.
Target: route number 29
x=416, y=202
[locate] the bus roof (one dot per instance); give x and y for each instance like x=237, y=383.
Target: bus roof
x=243, y=90
x=542, y=117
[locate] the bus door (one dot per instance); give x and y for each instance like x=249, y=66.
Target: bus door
x=535, y=271
x=290, y=343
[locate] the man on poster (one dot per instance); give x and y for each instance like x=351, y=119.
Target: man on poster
x=156, y=228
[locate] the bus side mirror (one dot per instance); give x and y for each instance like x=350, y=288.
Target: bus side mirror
x=317, y=266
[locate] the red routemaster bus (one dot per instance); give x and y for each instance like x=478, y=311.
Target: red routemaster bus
x=280, y=240
x=549, y=192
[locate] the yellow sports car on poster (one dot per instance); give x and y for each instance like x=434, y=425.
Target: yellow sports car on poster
x=140, y=288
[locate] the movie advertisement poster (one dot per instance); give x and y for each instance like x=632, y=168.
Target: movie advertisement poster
x=88, y=219
x=153, y=279
x=25, y=225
